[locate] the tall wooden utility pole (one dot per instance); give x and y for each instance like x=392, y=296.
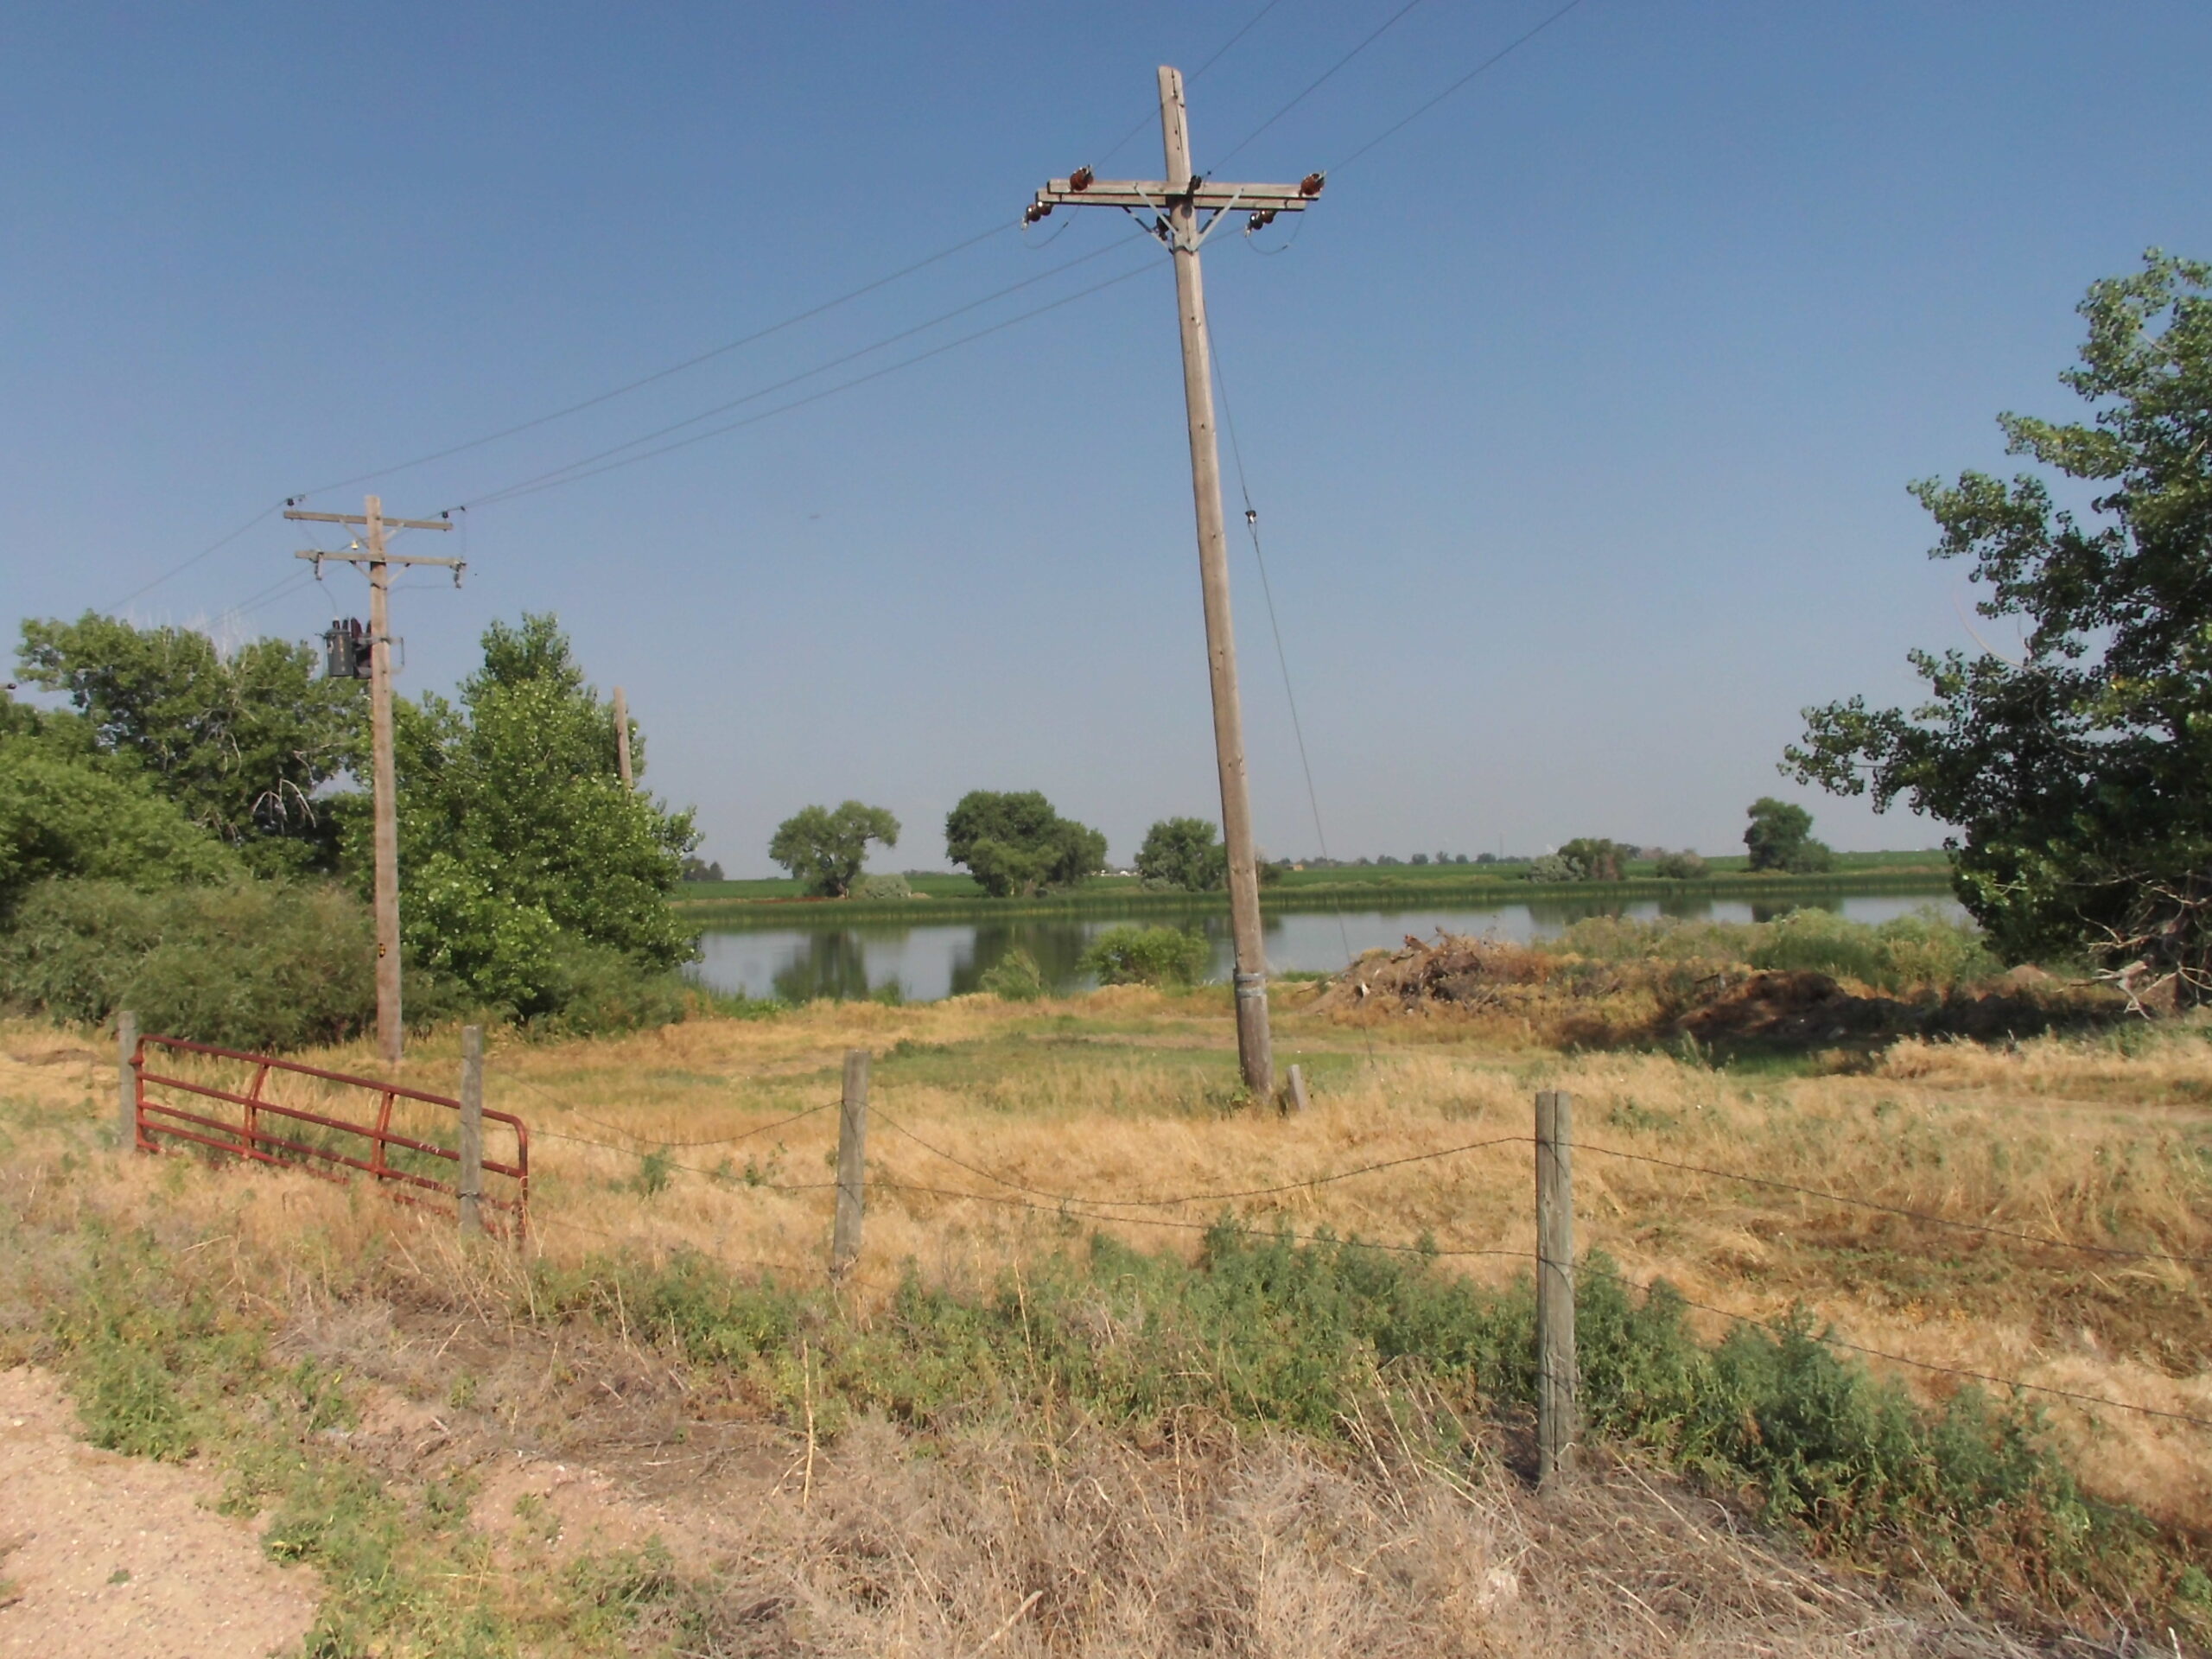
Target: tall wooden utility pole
x=1174, y=204
x=622, y=739
x=379, y=563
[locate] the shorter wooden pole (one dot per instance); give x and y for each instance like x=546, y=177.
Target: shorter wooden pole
x=1556, y=1426
x=852, y=1165
x=127, y=1074
x=622, y=738
x=470, y=1183
x=1296, y=1100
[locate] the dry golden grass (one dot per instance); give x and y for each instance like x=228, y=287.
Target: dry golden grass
x=1129, y=1095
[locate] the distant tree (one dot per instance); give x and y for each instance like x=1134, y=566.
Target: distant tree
x=1391, y=859
x=242, y=742
x=1422, y=858
x=1015, y=845
x=1596, y=859
x=697, y=869
x=1779, y=837
x=825, y=848
x=1483, y=858
x=1185, y=854
x=1552, y=867
x=2077, y=776
x=1684, y=866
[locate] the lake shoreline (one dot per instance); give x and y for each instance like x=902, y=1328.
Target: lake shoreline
x=720, y=914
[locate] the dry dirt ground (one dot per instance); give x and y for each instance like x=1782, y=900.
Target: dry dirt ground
x=121, y=1557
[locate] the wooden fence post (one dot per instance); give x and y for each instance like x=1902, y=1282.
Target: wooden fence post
x=470, y=1183
x=127, y=1069
x=852, y=1165
x=1556, y=1427
x=1296, y=1100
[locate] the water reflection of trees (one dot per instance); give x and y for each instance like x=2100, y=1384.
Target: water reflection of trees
x=829, y=963
x=1056, y=946
x=1556, y=915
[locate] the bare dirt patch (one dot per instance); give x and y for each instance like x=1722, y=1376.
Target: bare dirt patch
x=112, y=1555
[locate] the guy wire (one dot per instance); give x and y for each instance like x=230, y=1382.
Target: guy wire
x=1283, y=657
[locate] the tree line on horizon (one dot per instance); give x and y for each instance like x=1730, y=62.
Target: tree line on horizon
x=1016, y=845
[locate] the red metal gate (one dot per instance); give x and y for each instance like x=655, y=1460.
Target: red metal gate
x=408, y=1164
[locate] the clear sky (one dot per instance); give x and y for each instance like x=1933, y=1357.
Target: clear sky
x=1579, y=415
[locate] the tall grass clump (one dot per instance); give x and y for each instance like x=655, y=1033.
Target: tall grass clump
x=1015, y=977
x=1922, y=950
x=1129, y=955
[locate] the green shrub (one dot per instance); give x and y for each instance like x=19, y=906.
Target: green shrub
x=1129, y=955
x=1920, y=949
x=1684, y=866
x=254, y=964
x=588, y=990
x=883, y=886
x=1014, y=977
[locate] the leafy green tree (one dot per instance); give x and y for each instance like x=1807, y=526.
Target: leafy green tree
x=1779, y=837
x=527, y=872
x=1184, y=853
x=825, y=849
x=64, y=817
x=242, y=743
x=1684, y=866
x=2079, y=777
x=1016, y=845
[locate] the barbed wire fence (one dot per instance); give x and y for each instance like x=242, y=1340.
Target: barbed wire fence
x=1111, y=1210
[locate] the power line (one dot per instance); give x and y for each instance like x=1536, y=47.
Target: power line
x=791, y=380
x=554, y=481
x=692, y=362
x=1149, y=117
x=1389, y=24
x=212, y=547
x=1490, y=62
x=1283, y=657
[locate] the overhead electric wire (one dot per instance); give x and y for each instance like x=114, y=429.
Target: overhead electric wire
x=1220, y=53
x=561, y=476
x=692, y=362
x=1490, y=62
x=1274, y=627
x=179, y=569
x=1389, y=24
x=759, y=392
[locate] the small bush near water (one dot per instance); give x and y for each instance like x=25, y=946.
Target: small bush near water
x=1310, y=1337
x=1015, y=977
x=1129, y=955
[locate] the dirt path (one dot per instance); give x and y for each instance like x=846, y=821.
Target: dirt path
x=115, y=1558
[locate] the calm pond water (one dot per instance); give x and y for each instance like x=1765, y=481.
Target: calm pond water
x=924, y=961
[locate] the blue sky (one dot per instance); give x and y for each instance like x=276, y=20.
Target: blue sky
x=1579, y=415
